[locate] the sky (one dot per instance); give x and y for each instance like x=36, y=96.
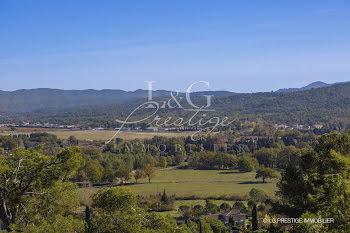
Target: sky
x=239, y=46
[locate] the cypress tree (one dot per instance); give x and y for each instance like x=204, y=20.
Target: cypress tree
x=164, y=199
x=87, y=218
x=254, y=218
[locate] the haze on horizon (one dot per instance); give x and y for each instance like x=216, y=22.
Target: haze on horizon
x=236, y=46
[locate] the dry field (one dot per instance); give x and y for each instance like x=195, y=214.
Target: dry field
x=93, y=135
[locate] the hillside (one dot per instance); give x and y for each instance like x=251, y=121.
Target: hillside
x=51, y=100
x=317, y=84
x=313, y=85
x=54, y=99
x=328, y=105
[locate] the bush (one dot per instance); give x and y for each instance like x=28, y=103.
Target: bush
x=225, y=206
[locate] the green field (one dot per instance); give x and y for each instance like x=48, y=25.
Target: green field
x=202, y=183
x=103, y=135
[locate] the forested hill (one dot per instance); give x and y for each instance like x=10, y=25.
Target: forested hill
x=51, y=100
x=320, y=105
x=313, y=85
x=55, y=99
x=308, y=87
x=329, y=104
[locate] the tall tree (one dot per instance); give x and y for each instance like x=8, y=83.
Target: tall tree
x=139, y=174
x=149, y=171
x=320, y=183
x=88, y=224
x=254, y=218
x=204, y=226
x=93, y=170
x=247, y=163
x=72, y=141
x=27, y=180
x=164, y=198
x=115, y=210
x=163, y=162
x=265, y=173
x=122, y=170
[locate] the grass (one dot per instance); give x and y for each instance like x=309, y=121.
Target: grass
x=172, y=213
x=103, y=135
x=202, y=183
x=85, y=195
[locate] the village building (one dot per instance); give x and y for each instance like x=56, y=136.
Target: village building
x=239, y=219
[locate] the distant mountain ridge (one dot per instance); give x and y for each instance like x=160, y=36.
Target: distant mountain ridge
x=29, y=100
x=326, y=105
x=317, y=84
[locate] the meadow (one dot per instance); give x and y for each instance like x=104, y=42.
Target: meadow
x=203, y=183
x=200, y=183
x=96, y=135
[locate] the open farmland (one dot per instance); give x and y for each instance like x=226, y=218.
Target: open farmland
x=203, y=183
x=200, y=183
x=96, y=135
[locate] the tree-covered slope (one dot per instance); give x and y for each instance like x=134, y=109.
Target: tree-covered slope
x=321, y=105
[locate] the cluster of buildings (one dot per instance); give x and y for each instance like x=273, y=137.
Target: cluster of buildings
x=38, y=125
x=298, y=126
x=149, y=129
x=57, y=126
x=239, y=219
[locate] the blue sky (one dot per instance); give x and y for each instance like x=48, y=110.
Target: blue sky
x=241, y=46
